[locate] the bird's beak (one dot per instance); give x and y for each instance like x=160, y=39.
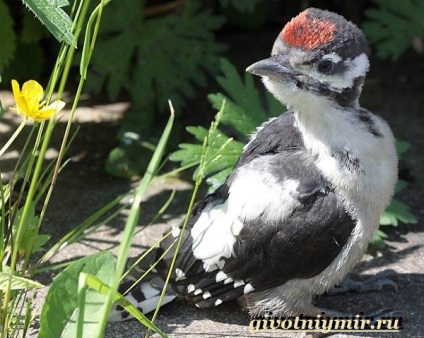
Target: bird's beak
x=275, y=67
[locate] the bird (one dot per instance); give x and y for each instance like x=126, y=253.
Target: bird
x=305, y=197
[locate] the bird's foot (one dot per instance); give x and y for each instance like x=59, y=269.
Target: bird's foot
x=374, y=283
x=385, y=313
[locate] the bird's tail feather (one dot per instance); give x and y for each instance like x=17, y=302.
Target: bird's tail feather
x=144, y=295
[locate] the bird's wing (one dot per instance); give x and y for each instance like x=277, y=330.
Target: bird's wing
x=275, y=219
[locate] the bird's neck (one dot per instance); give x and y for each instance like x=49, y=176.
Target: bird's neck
x=326, y=127
x=351, y=156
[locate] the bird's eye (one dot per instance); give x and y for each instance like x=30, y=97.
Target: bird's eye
x=325, y=66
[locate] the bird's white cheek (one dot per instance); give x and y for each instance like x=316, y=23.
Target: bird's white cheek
x=283, y=92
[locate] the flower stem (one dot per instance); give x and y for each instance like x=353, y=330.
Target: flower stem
x=13, y=137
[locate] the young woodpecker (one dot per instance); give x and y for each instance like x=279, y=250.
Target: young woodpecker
x=305, y=197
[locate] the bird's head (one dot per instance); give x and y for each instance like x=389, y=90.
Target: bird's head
x=318, y=55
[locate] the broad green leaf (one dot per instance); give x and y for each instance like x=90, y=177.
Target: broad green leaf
x=400, y=185
x=17, y=283
x=234, y=115
x=150, y=71
x=394, y=25
x=7, y=39
x=56, y=20
x=59, y=3
x=188, y=154
x=215, y=181
x=29, y=230
x=378, y=240
x=40, y=240
x=59, y=313
x=198, y=132
x=243, y=111
x=30, y=240
x=119, y=164
x=222, y=154
x=397, y=211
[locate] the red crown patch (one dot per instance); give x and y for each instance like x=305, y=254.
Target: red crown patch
x=308, y=32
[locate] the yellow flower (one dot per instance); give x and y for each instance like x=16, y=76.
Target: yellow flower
x=28, y=101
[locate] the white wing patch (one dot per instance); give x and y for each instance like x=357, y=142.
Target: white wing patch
x=254, y=194
x=212, y=236
x=257, y=194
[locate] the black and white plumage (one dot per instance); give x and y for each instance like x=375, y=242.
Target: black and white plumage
x=305, y=198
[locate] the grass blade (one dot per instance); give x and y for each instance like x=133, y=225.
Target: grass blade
x=96, y=284
x=133, y=219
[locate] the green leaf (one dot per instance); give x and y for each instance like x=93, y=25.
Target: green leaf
x=129, y=159
x=17, y=283
x=188, y=154
x=222, y=154
x=397, y=211
x=400, y=185
x=234, y=115
x=7, y=38
x=39, y=242
x=243, y=111
x=59, y=3
x=402, y=147
x=119, y=164
x=56, y=20
x=59, y=313
x=30, y=240
x=215, y=181
x=29, y=230
x=394, y=25
x=378, y=240
x=160, y=58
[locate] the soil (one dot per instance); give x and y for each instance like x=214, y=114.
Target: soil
x=393, y=90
